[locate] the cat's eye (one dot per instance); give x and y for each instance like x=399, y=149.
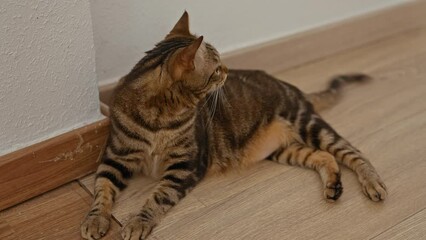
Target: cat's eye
x=217, y=71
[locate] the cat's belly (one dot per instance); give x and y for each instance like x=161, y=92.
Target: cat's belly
x=267, y=139
x=264, y=142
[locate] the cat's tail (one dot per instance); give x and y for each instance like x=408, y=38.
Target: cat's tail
x=330, y=96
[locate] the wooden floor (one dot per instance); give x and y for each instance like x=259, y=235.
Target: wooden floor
x=386, y=119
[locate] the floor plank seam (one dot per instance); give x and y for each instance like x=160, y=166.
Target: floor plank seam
x=237, y=193
x=403, y=220
x=116, y=220
x=90, y=193
x=84, y=187
x=287, y=168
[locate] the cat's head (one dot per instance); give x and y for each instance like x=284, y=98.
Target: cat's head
x=181, y=66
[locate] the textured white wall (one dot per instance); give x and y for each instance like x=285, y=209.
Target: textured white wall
x=125, y=29
x=47, y=70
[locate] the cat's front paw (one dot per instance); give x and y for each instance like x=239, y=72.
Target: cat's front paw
x=137, y=228
x=374, y=188
x=94, y=226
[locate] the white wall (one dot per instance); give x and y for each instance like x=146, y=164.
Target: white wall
x=125, y=29
x=47, y=70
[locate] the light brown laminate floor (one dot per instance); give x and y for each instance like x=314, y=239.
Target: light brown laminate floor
x=385, y=118
x=53, y=215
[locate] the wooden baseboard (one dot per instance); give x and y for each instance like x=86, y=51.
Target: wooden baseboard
x=46, y=165
x=305, y=47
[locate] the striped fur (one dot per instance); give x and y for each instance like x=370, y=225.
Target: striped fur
x=174, y=117
x=327, y=98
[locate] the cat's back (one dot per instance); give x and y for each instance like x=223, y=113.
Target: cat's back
x=250, y=89
x=257, y=81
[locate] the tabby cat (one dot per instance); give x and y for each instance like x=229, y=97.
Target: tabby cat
x=170, y=120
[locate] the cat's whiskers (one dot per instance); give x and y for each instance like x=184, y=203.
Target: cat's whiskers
x=223, y=98
x=206, y=101
x=221, y=101
x=213, y=107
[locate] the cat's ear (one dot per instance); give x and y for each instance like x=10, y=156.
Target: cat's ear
x=181, y=28
x=187, y=55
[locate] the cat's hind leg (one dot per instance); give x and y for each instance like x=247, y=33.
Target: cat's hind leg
x=318, y=134
x=298, y=154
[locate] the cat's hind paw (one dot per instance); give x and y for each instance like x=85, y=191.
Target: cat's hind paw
x=374, y=189
x=333, y=189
